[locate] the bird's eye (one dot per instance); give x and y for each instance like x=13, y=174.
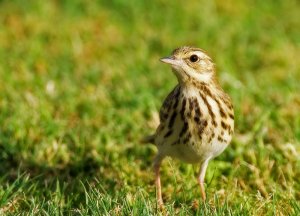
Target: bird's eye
x=194, y=58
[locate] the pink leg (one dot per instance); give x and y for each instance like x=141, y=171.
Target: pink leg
x=201, y=178
x=157, y=162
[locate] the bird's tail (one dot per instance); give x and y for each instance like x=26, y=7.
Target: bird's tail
x=149, y=139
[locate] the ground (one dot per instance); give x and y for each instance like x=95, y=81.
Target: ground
x=81, y=84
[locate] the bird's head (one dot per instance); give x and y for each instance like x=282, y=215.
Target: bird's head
x=191, y=65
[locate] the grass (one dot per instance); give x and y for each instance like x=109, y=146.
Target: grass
x=81, y=84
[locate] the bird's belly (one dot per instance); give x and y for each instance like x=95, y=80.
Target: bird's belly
x=217, y=148
x=196, y=153
x=197, y=149
x=185, y=153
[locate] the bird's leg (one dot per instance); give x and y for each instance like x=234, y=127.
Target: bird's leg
x=157, y=162
x=201, y=178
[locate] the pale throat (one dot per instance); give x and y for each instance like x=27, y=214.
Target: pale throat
x=203, y=77
x=186, y=77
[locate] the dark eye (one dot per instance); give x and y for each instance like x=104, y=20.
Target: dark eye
x=194, y=58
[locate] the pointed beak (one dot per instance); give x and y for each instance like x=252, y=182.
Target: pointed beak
x=170, y=60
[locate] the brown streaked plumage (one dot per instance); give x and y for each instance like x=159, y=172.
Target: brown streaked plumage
x=196, y=118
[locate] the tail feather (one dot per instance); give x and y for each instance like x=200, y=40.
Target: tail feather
x=149, y=139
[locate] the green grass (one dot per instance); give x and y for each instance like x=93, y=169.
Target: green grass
x=81, y=84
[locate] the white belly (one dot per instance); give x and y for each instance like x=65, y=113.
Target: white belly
x=197, y=153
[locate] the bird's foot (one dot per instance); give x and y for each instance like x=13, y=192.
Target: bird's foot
x=195, y=205
x=160, y=204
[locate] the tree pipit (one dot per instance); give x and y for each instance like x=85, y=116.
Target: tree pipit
x=196, y=118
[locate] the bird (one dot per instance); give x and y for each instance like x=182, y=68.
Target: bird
x=196, y=118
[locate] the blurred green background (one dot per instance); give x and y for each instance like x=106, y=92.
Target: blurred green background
x=81, y=84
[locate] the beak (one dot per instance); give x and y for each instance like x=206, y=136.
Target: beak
x=170, y=60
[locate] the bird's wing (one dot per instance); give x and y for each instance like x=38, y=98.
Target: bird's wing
x=163, y=114
x=168, y=103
